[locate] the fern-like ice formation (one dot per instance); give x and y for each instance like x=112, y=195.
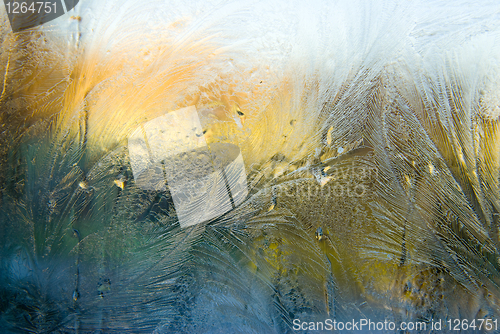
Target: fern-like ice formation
x=370, y=136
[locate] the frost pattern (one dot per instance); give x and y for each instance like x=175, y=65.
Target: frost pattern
x=370, y=139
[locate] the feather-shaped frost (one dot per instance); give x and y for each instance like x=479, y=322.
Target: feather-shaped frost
x=369, y=133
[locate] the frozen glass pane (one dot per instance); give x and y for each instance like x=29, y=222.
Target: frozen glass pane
x=249, y=167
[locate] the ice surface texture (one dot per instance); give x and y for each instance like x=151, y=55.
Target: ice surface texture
x=370, y=137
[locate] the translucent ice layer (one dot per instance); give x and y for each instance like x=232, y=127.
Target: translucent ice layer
x=250, y=167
